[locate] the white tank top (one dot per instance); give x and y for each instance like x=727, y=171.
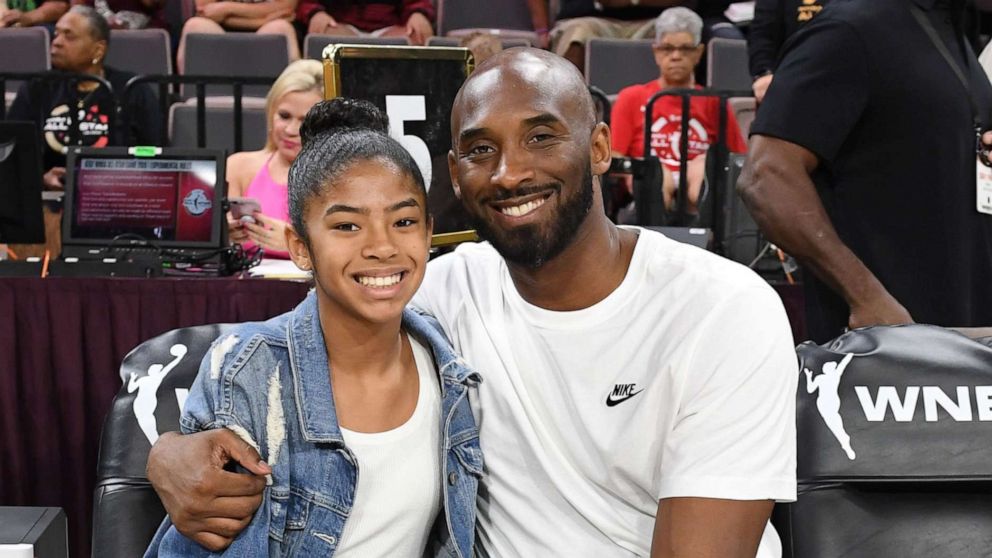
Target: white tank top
x=399, y=474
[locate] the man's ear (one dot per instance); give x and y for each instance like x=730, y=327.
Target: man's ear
x=600, y=150
x=299, y=252
x=453, y=171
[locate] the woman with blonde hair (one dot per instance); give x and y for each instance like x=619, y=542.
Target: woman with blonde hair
x=262, y=175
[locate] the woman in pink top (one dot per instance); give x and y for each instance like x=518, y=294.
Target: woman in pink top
x=262, y=174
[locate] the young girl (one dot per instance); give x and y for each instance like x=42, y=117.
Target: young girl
x=262, y=174
x=359, y=405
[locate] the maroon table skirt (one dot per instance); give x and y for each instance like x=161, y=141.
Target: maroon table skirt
x=61, y=345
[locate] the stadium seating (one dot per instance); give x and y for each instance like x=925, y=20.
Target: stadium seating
x=219, y=127
x=507, y=42
x=744, y=109
x=727, y=65
x=612, y=64
x=314, y=44
x=25, y=49
x=140, y=51
x=466, y=16
x=235, y=54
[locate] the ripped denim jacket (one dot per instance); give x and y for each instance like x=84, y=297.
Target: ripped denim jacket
x=314, y=476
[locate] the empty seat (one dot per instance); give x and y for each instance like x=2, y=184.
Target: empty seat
x=507, y=42
x=612, y=64
x=25, y=49
x=140, y=51
x=314, y=44
x=483, y=15
x=727, y=65
x=219, y=126
x=233, y=55
x=744, y=109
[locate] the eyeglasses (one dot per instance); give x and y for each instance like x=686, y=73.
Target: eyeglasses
x=668, y=50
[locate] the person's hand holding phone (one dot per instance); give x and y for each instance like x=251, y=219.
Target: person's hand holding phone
x=242, y=210
x=268, y=232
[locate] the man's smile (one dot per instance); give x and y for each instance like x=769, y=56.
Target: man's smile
x=521, y=206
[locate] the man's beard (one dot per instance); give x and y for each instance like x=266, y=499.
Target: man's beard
x=526, y=245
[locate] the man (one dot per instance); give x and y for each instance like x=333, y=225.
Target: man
x=638, y=394
x=84, y=113
x=895, y=233
x=677, y=51
x=373, y=18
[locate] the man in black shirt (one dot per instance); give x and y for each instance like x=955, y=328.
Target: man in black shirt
x=869, y=113
x=83, y=112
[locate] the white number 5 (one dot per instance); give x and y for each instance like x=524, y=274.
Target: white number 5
x=410, y=108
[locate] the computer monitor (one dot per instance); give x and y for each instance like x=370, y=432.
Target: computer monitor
x=126, y=197
x=21, y=220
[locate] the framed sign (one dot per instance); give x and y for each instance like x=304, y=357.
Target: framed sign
x=414, y=86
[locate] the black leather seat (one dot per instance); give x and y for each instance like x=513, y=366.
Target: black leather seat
x=156, y=376
x=894, y=432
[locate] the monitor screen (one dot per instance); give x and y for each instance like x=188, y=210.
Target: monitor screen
x=21, y=220
x=169, y=200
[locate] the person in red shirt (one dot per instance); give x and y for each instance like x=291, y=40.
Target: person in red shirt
x=378, y=18
x=677, y=50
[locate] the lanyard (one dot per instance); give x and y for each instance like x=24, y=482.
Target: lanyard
x=928, y=28
x=924, y=22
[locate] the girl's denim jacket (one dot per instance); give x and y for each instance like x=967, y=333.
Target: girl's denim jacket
x=270, y=382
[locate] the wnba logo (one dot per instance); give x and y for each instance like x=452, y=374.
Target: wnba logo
x=827, y=386
x=896, y=403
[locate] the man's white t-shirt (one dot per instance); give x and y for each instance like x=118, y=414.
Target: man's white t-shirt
x=681, y=382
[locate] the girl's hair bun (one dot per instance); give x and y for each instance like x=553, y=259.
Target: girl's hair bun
x=340, y=115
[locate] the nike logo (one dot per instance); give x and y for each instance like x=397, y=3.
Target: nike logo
x=621, y=393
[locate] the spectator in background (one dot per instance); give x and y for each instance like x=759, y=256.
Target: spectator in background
x=27, y=13
x=581, y=20
x=262, y=175
x=483, y=46
x=677, y=51
x=866, y=173
x=83, y=113
x=774, y=22
x=370, y=18
x=273, y=17
x=129, y=14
